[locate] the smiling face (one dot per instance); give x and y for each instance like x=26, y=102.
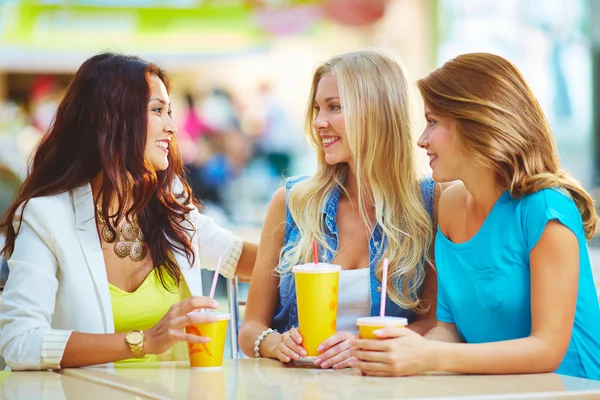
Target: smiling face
x=329, y=121
x=443, y=148
x=160, y=125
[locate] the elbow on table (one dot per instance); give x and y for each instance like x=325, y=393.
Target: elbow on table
x=553, y=361
x=21, y=350
x=550, y=359
x=245, y=341
x=15, y=361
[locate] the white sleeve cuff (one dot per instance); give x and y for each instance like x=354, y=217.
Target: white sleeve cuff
x=229, y=265
x=53, y=348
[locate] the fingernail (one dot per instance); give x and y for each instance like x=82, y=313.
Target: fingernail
x=377, y=332
x=324, y=365
x=318, y=361
x=320, y=348
x=296, y=356
x=303, y=353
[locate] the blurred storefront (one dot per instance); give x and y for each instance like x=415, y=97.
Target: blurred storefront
x=223, y=54
x=552, y=48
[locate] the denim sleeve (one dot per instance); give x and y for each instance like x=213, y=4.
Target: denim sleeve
x=427, y=191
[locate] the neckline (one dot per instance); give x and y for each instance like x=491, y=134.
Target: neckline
x=505, y=197
x=146, y=279
x=354, y=272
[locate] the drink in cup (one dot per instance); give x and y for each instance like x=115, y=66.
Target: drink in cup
x=208, y=356
x=366, y=325
x=317, y=296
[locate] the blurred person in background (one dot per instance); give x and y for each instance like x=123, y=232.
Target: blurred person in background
x=105, y=240
x=515, y=282
x=278, y=137
x=9, y=183
x=220, y=112
x=44, y=96
x=217, y=150
x=364, y=203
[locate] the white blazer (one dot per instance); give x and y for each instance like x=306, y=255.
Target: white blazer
x=58, y=283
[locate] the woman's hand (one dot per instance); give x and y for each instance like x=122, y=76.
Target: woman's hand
x=397, y=352
x=171, y=328
x=289, y=349
x=335, y=351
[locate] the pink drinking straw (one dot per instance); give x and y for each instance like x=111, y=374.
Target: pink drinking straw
x=384, y=275
x=214, y=282
x=315, y=252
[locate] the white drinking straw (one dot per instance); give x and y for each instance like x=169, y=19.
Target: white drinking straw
x=384, y=275
x=215, y=277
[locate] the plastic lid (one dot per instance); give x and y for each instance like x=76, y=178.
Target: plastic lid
x=381, y=321
x=313, y=268
x=221, y=316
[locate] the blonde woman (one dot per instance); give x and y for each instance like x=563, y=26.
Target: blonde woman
x=514, y=277
x=363, y=204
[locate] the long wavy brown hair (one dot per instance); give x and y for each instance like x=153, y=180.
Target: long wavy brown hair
x=100, y=127
x=502, y=126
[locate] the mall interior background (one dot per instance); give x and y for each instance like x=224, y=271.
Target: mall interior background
x=241, y=73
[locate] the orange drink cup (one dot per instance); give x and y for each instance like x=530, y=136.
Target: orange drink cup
x=367, y=325
x=317, y=296
x=209, y=356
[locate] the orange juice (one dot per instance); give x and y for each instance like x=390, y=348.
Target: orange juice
x=209, y=356
x=366, y=325
x=317, y=296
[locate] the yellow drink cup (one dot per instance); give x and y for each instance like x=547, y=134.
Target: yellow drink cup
x=209, y=356
x=317, y=297
x=367, y=325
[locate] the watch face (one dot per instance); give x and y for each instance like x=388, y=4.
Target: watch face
x=135, y=337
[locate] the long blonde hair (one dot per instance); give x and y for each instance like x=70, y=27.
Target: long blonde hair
x=502, y=126
x=375, y=106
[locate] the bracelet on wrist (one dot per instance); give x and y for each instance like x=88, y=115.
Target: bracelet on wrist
x=260, y=339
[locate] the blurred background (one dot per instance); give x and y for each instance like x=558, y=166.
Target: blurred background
x=241, y=75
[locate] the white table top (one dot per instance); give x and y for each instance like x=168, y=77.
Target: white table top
x=268, y=379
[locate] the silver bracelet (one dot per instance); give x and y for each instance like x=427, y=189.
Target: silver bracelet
x=260, y=339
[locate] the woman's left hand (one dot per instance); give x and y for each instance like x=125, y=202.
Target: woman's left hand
x=397, y=352
x=335, y=351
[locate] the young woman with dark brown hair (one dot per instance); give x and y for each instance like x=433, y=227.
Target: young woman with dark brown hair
x=104, y=240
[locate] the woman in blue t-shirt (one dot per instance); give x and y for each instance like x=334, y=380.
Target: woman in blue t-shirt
x=515, y=286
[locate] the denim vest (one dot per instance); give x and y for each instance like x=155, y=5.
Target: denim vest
x=286, y=315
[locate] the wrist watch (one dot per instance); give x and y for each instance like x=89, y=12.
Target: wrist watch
x=135, y=341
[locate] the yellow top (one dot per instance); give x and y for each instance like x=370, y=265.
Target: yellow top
x=144, y=307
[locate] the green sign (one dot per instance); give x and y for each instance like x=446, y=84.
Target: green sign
x=176, y=26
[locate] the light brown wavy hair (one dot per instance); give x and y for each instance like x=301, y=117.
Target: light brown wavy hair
x=502, y=126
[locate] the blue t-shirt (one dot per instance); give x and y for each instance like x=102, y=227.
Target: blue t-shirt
x=484, y=284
